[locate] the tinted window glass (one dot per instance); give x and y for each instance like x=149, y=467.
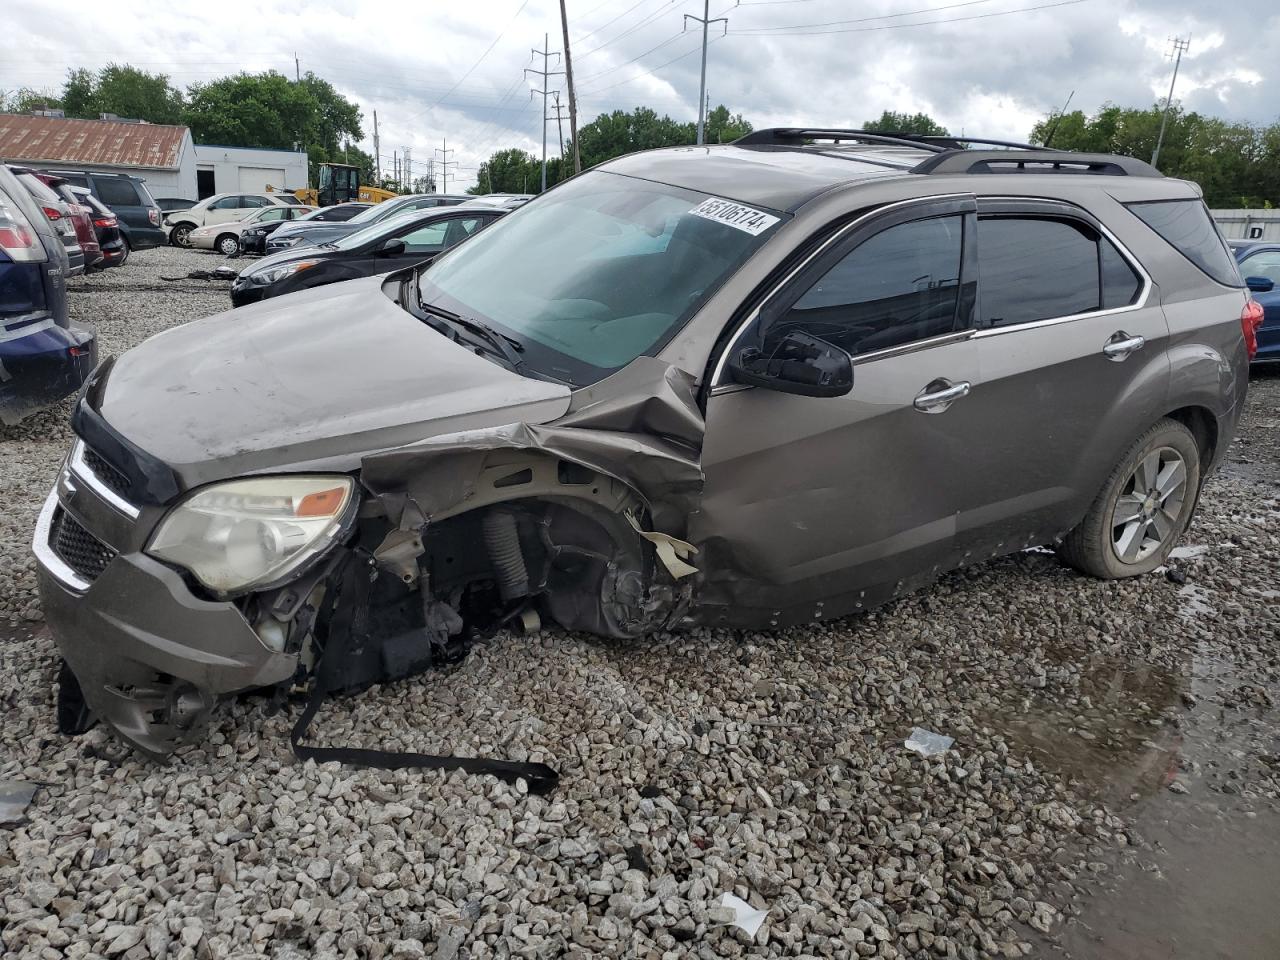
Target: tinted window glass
x=901, y=285
x=226, y=203
x=1186, y=224
x=275, y=213
x=116, y=191
x=1120, y=282
x=1034, y=269
x=428, y=239
x=1263, y=264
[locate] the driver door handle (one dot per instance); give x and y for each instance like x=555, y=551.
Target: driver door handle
x=1121, y=345
x=940, y=394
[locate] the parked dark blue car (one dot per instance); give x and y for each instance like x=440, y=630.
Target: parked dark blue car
x=1260, y=266
x=43, y=355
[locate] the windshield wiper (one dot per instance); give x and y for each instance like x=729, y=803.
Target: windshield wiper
x=509, y=348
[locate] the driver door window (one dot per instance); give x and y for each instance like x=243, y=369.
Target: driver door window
x=428, y=239
x=899, y=286
x=275, y=213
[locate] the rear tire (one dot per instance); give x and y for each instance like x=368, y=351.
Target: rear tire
x=125, y=250
x=1144, y=507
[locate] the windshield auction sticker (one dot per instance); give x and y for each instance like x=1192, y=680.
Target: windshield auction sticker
x=746, y=219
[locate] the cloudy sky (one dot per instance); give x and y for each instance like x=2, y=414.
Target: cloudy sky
x=455, y=70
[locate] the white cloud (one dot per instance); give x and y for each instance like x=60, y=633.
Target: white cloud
x=989, y=75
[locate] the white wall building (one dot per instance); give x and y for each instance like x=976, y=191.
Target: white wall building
x=165, y=156
x=1248, y=224
x=251, y=169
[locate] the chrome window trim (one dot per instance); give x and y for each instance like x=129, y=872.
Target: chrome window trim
x=83, y=471
x=45, y=556
x=718, y=373
x=1125, y=253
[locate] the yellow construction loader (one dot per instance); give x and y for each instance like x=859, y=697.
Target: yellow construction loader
x=340, y=183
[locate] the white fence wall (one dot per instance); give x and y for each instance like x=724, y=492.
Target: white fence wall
x=1248, y=224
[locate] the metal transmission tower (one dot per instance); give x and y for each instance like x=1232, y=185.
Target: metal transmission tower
x=1175, y=54
x=559, y=119
x=445, y=163
x=702, y=88
x=544, y=73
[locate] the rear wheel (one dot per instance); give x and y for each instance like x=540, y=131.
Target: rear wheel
x=228, y=244
x=1144, y=507
x=178, y=237
x=125, y=250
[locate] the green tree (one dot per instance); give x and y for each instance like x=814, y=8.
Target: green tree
x=269, y=110
x=724, y=127
x=509, y=171
x=1236, y=164
x=25, y=99
x=123, y=90
x=920, y=124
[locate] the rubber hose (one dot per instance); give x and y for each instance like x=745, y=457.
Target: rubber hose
x=502, y=541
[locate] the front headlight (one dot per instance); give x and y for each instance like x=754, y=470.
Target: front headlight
x=272, y=274
x=247, y=534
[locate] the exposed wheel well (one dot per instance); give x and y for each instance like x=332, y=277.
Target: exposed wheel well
x=1203, y=426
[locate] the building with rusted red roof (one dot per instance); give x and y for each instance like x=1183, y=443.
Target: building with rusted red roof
x=165, y=156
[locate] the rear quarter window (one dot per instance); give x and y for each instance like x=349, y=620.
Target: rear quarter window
x=116, y=192
x=1189, y=229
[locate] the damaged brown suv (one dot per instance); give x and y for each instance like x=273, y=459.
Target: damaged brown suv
x=753, y=384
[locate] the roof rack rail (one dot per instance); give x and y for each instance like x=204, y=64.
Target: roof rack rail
x=1034, y=162
x=795, y=136
x=957, y=143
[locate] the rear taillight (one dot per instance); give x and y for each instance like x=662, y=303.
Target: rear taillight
x=53, y=213
x=153, y=215
x=1250, y=321
x=18, y=239
x=103, y=222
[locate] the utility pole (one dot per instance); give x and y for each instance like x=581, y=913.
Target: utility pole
x=559, y=127
x=1175, y=54
x=702, y=88
x=395, y=169
x=377, y=155
x=297, y=69
x=573, y=101
x=445, y=163
x=408, y=168
x=544, y=73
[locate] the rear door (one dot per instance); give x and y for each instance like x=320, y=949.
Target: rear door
x=1266, y=263
x=1072, y=351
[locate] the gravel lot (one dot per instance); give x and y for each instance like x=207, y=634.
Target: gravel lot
x=768, y=765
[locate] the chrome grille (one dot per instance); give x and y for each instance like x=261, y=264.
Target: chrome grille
x=111, y=477
x=77, y=547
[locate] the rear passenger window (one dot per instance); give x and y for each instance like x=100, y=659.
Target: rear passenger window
x=1034, y=269
x=899, y=286
x=1187, y=226
x=116, y=192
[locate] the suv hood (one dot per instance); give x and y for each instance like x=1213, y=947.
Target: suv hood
x=314, y=380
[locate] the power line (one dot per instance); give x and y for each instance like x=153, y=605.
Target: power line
x=649, y=73
x=883, y=16
x=922, y=23
x=608, y=23
x=471, y=70
x=661, y=11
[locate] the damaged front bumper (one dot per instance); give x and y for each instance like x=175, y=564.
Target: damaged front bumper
x=151, y=657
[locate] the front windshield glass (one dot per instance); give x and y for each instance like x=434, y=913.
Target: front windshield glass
x=599, y=271
x=371, y=213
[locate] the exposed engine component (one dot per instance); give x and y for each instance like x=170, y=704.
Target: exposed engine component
x=502, y=540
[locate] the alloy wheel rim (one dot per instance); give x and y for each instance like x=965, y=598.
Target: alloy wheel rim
x=1145, y=516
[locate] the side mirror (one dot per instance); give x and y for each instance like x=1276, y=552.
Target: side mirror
x=798, y=364
x=391, y=247
x=1259, y=284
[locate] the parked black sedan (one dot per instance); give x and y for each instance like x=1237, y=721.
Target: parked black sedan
x=402, y=241
x=254, y=239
